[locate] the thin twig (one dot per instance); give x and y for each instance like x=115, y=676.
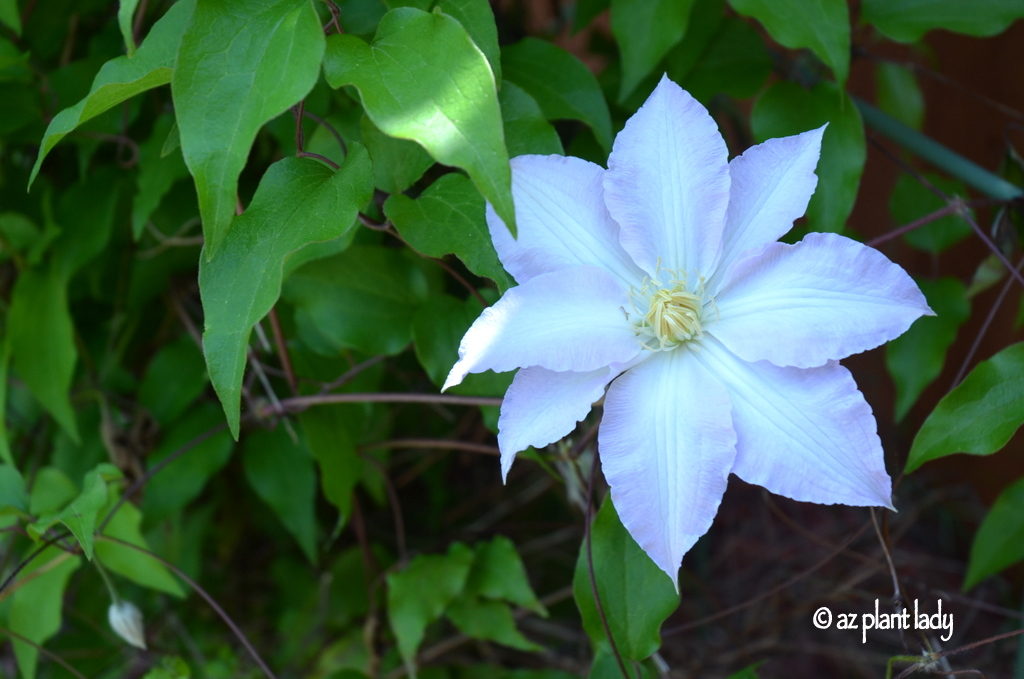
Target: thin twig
x=949, y=209
x=433, y=444
x=989, y=318
x=48, y=653
x=323, y=159
x=282, y=351
x=300, y=403
x=206, y=597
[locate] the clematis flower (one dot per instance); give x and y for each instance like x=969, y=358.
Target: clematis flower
x=661, y=280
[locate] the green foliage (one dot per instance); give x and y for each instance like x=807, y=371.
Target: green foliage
x=823, y=26
x=916, y=358
x=979, y=415
x=227, y=307
x=563, y=87
x=448, y=218
x=635, y=594
x=240, y=64
x=786, y=108
x=999, y=542
x=122, y=78
x=646, y=30
x=35, y=611
x=909, y=20
x=910, y=201
x=424, y=79
x=298, y=202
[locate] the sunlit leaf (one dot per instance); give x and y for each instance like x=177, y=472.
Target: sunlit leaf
x=423, y=79
x=241, y=63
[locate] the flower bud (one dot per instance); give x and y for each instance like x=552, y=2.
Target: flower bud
x=126, y=620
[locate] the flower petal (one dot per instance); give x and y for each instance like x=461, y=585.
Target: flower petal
x=771, y=186
x=667, y=183
x=807, y=434
x=566, y=320
x=562, y=221
x=667, y=444
x=822, y=299
x=542, y=406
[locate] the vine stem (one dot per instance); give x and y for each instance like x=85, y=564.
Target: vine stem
x=935, y=153
x=587, y=520
x=206, y=597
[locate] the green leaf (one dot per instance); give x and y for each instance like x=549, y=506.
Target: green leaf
x=526, y=129
x=899, y=95
x=636, y=595
x=424, y=79
x=785, y=109
x=41, y=334
x=488, y=620
x=298, y=202
x=36, y=605
x=241, y=63
x=586, y=11
x=909, y=20
x=562, y=85
x=721, y=55
x=81, y=514
x=916, y=358
x=42, y=342
x=911, y=200
x=10, y=16
x=157, y=174
x=979, y=415
x=645, y=31
x=498, y=573
x=419, y=594
x=125, y=14
x=170, y=667
x=327, y=435
x=999, y=542
x=181, y=481
x=12, y=490
x=477, y=17
x=362, y=299
x=173, y=380
x=823, y=26
x=51, y=490
x=5, y=361
x=133, y=564
x=397, y=163
x=448, y=218
x=122, y=78
x=281, y=472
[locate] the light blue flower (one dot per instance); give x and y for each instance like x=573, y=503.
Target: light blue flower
x=660, y=280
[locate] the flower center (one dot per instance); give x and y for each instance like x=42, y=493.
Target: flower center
x=666, y=315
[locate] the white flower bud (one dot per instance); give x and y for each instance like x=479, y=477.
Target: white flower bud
x=126, y=619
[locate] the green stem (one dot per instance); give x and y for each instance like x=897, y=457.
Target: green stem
x=114, y=598
x=935, y=153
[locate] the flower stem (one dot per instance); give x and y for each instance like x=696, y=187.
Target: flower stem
x=938, y=155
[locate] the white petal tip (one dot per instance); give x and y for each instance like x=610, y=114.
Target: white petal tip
x=454, y=378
